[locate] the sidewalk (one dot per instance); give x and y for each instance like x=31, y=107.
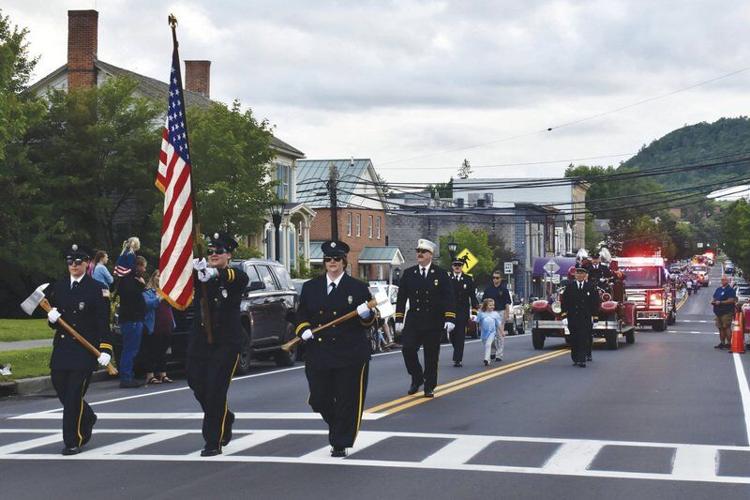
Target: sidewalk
x=25, y=344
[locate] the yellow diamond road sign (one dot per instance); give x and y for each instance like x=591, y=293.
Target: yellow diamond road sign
x=471, y=260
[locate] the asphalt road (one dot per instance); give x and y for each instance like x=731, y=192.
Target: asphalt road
x=666, y=417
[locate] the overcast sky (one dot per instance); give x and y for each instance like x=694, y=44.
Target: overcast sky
x=419, y=86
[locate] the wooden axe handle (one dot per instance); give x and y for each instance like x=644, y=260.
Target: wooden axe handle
x=44, y=304
x=351, y=314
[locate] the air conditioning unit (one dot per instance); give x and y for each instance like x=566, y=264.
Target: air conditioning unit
x=489, y=199
x=459, y=203
x=481, y=203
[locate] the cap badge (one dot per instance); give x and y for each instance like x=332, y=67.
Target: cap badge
x=333, y=244
x=74, y=247
x=216, y=236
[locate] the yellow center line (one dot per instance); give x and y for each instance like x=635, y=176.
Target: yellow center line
x=446, y=388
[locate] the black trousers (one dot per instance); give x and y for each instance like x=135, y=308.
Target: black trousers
x=154, y=352
x=210, y=369
x=78, y=417
x=580, y=341
x=458, y=339
x=338, y=394
x=429, y=340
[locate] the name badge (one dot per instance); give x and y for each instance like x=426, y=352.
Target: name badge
x=436, y=282
x=350, y=299
x=81, y=306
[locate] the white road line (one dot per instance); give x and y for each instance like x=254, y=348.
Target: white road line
x=697, y=462
x=459, y=451
x=744, y=392
x=572, y=457
x=31, y=443
x=254, y=439
x=139, y=442
x=192, y=416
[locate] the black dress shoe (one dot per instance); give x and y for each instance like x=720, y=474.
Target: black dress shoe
x=338, y=452
x=457, y=364
x=129, y=384
x=212, y=452
x=429, y=393
x=228, y=430
x=413, y=388
x=582, y=365
x=70, y=450
x=588, y=358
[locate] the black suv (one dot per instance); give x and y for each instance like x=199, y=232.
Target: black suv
x=268, y=307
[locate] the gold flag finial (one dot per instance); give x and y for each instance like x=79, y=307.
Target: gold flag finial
x=172, y=21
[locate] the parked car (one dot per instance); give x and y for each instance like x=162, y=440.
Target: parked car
x=743, y=294
x=267, y=315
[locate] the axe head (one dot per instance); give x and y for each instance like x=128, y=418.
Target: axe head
x=32, y=302
x=385, y=308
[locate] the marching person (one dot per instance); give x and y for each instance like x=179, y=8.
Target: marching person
x=337, y=358
x=211, y=365
x=431, y=312
x=498, y=291
x=600, y=275
x=580, y=301
x=81, y=302
x=466, y=307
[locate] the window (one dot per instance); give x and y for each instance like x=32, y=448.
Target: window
x=284, y=179
x=252, y=274
x=369, y=226
x=267, y=278
x=358, y=224
x=377, y=227
x=349, y=224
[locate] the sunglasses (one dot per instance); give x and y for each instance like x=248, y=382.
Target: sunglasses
x=72, y=262
x=329, y=259
x=419, y=250
x=216, y=251
x=458, y=265
x=496, y=277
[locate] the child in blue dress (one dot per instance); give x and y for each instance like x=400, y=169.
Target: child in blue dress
x=490, y=325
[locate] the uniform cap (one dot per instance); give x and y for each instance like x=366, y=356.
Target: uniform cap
x=76, y=251
x=222, y=240
x=334, y=248
x=582, y=269
x=423, y=244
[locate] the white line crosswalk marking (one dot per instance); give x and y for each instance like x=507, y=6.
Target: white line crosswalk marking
x=572, y=457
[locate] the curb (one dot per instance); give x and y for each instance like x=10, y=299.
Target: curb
x=35, y=385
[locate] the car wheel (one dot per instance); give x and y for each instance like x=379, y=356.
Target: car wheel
x=630, y=337
x=660, y=326
x=510, y=328
x=611, y=338
x=537, y=339
x=285, y=358
x=243, y=364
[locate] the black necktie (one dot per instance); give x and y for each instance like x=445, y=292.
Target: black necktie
x=580, y=285
x=74, y=285
x=333, y=288
x=424, y=273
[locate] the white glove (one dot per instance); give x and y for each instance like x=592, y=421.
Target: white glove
x=53, y=315
x=104, y=359
x=449, y=326
x=307, y=334
x=199, y=264
x=565, y=321
x=399, y=327
x=473, y=317
x=363, y=310
x=208, y=273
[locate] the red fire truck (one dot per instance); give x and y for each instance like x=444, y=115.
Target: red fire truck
x=647, y=284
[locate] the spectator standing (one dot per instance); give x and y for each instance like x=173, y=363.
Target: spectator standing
x=490, y=326
x=131, y=317
x=724, y=300
x=158, y=325
x=498, y=291
x=101, y=273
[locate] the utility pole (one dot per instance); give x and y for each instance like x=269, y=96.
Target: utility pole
x=332, y=185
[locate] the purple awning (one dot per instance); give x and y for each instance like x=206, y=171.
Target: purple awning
x=563, y=262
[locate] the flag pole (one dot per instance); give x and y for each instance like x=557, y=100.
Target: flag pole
x=198, y=242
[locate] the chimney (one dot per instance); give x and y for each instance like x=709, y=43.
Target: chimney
x=198, y=77
x=82, y=47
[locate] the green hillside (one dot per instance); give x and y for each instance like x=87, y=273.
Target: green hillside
x=703, y=142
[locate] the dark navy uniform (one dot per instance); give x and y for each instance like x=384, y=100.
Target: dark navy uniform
x=431, y=304
x=84, y=306
x=579, y=304
x=336, y=358
x=466, y=305
x=210, y=367
x=601, y=276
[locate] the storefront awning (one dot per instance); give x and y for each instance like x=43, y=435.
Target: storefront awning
x=381, y=255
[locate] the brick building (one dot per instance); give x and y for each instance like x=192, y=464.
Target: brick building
x=361, y=212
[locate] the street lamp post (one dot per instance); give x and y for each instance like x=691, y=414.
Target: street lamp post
x=277, y=210
x=452, y=247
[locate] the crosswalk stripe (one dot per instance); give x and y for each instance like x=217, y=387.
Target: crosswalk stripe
x=251, y=440
x=572, y=457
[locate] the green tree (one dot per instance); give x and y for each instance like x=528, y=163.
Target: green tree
x=231, y=156
x=476, y=240
x=735, y=233
x=464, y=170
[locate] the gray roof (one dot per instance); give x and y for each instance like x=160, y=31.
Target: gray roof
x=381, y=255
x=157, y=90
x=313, y=174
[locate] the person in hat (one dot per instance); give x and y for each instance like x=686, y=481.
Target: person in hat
x=80, y=301
x=211, y=362
x=337, y=358
x=580, y=301
x=432, y=311
x=600, y=275
x=464, y=290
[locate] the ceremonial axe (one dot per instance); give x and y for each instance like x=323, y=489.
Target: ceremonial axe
x=37, y=299
x=379, y=302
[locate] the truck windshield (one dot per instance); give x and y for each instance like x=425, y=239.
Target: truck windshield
x=699, y=269
x=642, y=276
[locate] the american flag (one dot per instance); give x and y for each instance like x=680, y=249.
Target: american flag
x=174, y=179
